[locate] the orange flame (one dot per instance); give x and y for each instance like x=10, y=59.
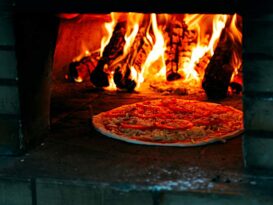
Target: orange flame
x=112, y=86
x=109, y=26
x=133, y=24
x=236, y=36
x=196, y=22
x=156, y=54
x=207, y=28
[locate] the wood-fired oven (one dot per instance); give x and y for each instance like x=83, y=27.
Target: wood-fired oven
x=45, y=109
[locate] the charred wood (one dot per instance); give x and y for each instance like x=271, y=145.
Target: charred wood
x=99, y=77
x=188, y=43
x=202, y=64
x=140, y=51
x=219, y=71
x=72, y=71
x=180, y=44
x=116, y=43
x=80, y=70
x=123, y=81
x=135, y=58
x=175, y=34
x=236, y=87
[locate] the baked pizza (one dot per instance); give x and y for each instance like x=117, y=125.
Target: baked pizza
x=170, y=122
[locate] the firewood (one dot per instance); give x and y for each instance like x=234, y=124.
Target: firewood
x=202, y=64
x=219, y=71
x=175, y=33
x=114, y=49
x=236, y=84
x=180, y=44
x=72, y=71
x=143, y=49
x=188, y=43
x=123, y=81
x=136, y=57
x=79, y=71
x=236, y=88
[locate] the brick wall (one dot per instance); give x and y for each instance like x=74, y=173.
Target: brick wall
x=35, y=35
x=27, y=42
x=10, y=125
x=258, y=85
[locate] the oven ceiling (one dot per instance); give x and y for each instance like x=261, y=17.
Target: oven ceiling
x=106, y=6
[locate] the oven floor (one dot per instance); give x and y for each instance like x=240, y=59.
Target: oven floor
x=77, y=165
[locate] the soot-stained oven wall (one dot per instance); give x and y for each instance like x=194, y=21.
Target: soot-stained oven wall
x=10, y=120
x=27, y=42
x=258, y=83
x=35, y=35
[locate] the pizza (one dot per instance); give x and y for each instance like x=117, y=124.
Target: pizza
x=170, y=122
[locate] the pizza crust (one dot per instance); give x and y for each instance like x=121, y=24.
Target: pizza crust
x=97, y=121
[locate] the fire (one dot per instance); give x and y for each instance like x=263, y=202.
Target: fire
x=157, y=53
x=236, y=37
x=202, y=47
x=134, y=21
x=175, y=48
x=109, y=26
x=112, y=86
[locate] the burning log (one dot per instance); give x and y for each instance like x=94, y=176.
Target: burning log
x=72, y=71
x=135, y=59
x=181, y=42
x=236, y=87
x=202, y=63
x=78, y=71
x=141, y=51
x=219, y=71
x=123, y=81
x=125, y=56
x=188, y=43
x=236, y=83
x=99, y=77
x=175, y=33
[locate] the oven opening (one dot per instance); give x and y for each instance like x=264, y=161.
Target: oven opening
x=123, y=58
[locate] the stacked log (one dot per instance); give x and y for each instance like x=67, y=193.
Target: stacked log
x=114, y=49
